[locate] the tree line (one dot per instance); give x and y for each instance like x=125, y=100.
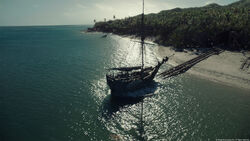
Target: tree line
x=212, y=25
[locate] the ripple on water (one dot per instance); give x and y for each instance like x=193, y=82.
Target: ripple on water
x=57, y=90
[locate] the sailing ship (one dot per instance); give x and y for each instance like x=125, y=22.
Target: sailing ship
x=129, y=79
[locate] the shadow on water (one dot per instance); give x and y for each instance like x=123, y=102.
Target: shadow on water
x=113, y=104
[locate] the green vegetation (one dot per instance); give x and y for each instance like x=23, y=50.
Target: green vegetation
x=224, y=26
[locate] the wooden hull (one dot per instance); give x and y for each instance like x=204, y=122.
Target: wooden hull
x=119, y=87
x=122, y=84
x=123, y=87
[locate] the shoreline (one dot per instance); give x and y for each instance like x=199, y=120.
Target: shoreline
x=223, y=68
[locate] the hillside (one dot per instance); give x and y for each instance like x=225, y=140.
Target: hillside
x=224, y=26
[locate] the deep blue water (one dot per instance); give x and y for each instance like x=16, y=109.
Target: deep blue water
x=53, y=88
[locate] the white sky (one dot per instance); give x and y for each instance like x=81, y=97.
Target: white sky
x=62, y=12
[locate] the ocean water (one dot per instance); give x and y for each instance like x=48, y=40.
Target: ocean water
x=53, y=88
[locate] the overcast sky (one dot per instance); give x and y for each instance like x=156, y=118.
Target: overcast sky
x=64, y=12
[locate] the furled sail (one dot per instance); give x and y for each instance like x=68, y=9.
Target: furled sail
x=126, y=68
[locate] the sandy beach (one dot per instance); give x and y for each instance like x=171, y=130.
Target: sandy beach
x=224, y=68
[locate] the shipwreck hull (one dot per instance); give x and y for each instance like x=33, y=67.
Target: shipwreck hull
x=121, y=88
x=121, y=84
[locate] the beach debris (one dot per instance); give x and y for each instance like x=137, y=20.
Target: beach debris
x=104, y=36
x=182, y=68
x=245, y=65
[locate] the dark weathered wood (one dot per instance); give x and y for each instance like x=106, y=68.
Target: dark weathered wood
x=245, y=64
x=182, y=68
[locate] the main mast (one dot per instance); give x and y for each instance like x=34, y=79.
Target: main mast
x=142, y=35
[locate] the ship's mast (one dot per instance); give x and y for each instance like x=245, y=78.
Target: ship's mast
x=142, y=35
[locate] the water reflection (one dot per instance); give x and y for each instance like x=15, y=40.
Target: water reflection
x=183, y=108
x=113, y=104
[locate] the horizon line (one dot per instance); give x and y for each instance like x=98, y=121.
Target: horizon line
x=47, y=25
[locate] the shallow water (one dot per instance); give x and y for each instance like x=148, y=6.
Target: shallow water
x=53, y=87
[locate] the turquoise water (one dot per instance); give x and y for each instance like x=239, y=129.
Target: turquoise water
x=53, y=88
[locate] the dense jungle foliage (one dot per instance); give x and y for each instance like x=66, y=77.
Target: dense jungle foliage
x=212, y=25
